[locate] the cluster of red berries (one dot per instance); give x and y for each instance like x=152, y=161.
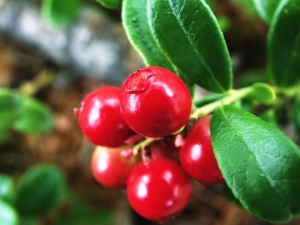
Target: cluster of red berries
x=154, y=103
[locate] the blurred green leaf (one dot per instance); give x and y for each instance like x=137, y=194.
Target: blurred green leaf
x=266, y=8
x=81, y=213
x=247, y=6
x=40, y=189
x=296, y=114
x=193, y=46
x=270, y=116
x=10, y=108
x=60, y=13
x=36, y=117
x=29, y=221
x=252, y=76
x=208, y=99
x=259, y=163
x=263, y=93
x=110, y=4
x=224, y=22
x=8, y=215
x=7, y=190
x=284, y=44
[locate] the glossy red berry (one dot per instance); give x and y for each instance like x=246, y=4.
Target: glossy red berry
x=159, y=191
x=155, y=102
x=100, y=118
x=196, y=154
x=112, y=166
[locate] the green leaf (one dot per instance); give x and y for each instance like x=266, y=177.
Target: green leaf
x=208, y=99
x=266, y=9
x=4, y=135
x=224, y=22
x=30, y=221
x=284, y=44
x=60, y=13
x=270, y=116
x=110, y=4
x=259, y=163
x=296, y=114
x=81, y=213
x=6, y=188
x=252, y=76
x=10, y=108
x=263, y=93
x=36, y=117
x=182, y=36
x=40, y=190
x=8, y=215
x=247, y=6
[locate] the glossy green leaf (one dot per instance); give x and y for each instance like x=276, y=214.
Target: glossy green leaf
x=60, y=13
x=259, y=163
x=266, y=9
x=36, y=117
x=10, y=108
x=263, y=93
x=183, y=36
x=8, y=215
x=40, y=190
x=284, y=44
x=6, y=188
x=110, y=4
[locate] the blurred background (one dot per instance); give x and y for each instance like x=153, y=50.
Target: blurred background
x=57, y=64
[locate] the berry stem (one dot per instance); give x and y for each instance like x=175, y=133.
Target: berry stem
x=41, y=80
x=232, y=96
x=289, y=92
x=141, y=145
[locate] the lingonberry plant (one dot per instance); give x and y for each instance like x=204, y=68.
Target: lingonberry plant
x=221, y=137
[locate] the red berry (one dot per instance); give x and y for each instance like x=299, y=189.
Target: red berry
x=159, y=191
x=196, y=155
x=161, y=149
x=100, y=118
x=112, y=166
x=155, y=102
